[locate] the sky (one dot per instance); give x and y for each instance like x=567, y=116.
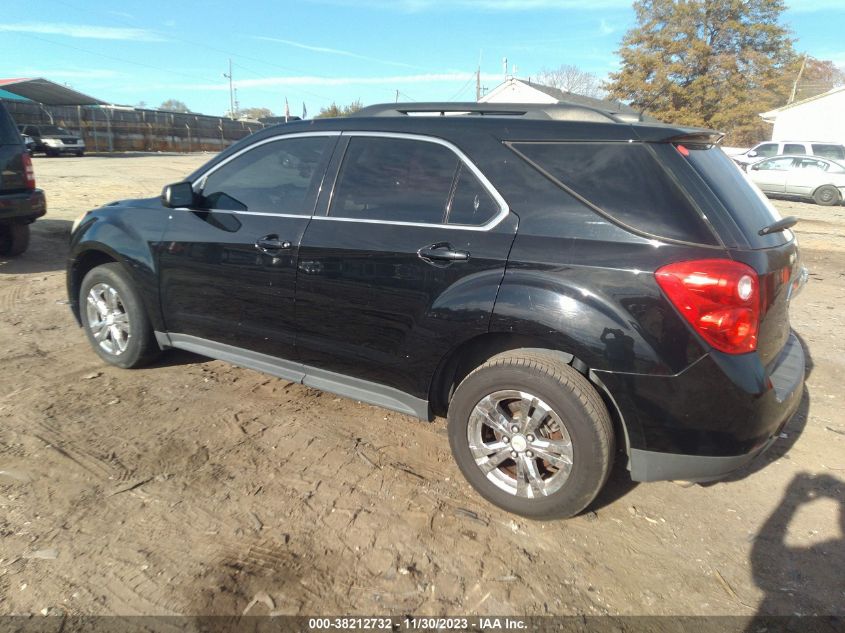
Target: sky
x=315, y=52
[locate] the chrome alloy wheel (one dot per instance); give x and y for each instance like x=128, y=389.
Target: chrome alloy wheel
x=520, y=444
x=107, y=319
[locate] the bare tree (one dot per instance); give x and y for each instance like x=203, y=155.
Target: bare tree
x=173, y=105
x=570, y=78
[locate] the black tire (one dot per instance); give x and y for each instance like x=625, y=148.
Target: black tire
x=51, y=153
x=571, y=397
x=826, y=195
x=140, y=344
x=80, y=153
x=14, y=239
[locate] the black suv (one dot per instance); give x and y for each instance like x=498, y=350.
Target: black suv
x=557, y=281
x=20, y=202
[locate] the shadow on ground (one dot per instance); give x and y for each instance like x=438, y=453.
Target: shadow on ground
x=47, y=252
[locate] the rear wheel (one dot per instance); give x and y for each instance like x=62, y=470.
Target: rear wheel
x=80, y=153
x=114, y=318
x=14, y=239
x=826, y=195
x=531, y=434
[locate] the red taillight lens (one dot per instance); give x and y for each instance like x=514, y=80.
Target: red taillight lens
x=28, y=171
x=720, y=298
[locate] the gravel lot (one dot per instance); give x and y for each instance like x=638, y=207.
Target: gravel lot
x=192, y=486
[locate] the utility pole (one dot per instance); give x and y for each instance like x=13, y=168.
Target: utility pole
x=797, y=80
x=231, y=91
x=478, y=85
x=397, y=97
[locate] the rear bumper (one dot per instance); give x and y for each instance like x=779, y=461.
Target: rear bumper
x=22, y=207
x=712, y=419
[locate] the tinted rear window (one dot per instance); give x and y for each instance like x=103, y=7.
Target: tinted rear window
x=626, y=182
x=749, y=208
x=836, y=152
x=8, y=132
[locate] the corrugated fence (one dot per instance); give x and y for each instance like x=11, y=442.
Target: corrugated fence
x=120, y=129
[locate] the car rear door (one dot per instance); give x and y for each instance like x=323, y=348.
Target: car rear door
x=402, y=261
x=228, y=266
x=806, y=175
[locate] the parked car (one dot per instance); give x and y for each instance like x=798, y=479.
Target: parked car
x=807, y=177
x=835, y=151
x=555, y=281
x=20, y=202
x=28, y=143
x=54, y=140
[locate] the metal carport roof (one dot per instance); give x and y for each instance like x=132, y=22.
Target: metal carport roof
x=47, y=92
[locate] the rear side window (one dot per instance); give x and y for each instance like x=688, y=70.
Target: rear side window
x=282, y=176
x=471, y=203
x=391, y=179
x=8, y=132
x=794, y=148
x=836, y=152
x=624, y=181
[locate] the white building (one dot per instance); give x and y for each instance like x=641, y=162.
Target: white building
x=819, y=118
x=514, y=90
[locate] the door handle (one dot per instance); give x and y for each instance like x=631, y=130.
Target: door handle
x=442, y=252
x=271, y=243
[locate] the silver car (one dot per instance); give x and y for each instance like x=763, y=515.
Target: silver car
x=818, y=179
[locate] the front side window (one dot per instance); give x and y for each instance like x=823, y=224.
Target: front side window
x=393, y=179
x=778, y=164
x=767, y=149
x=836, y=152
x=281, y=176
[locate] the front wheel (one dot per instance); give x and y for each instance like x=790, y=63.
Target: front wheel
x=114, y=318
x=826, y=195
x=14, y=239
x=531, y=434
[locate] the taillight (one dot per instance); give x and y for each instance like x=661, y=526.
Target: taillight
x=28, y=171
x=720, y=298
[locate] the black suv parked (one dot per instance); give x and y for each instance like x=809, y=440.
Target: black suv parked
x=20, y=202
x=555, y=280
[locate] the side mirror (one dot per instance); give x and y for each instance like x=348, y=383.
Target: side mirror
x=752, y=154
x=180, y=194
x=755, y=167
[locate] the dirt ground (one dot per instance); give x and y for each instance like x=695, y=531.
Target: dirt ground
x=192, y=486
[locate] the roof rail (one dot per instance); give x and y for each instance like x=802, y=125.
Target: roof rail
x=552, y=111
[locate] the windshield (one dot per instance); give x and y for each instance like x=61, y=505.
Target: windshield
x=51, y=130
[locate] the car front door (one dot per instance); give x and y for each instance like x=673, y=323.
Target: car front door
x=228, y=266
x=404, y=263
x=770, y=175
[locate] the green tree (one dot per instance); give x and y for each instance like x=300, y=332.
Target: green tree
x=173, y=105
x=335, y=111
x=710, y=63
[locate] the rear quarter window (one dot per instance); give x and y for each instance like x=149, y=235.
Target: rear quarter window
x=836, y=152
x=623, y=181
x=8, y=132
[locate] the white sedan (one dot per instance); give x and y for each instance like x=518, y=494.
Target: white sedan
x=819, y=179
